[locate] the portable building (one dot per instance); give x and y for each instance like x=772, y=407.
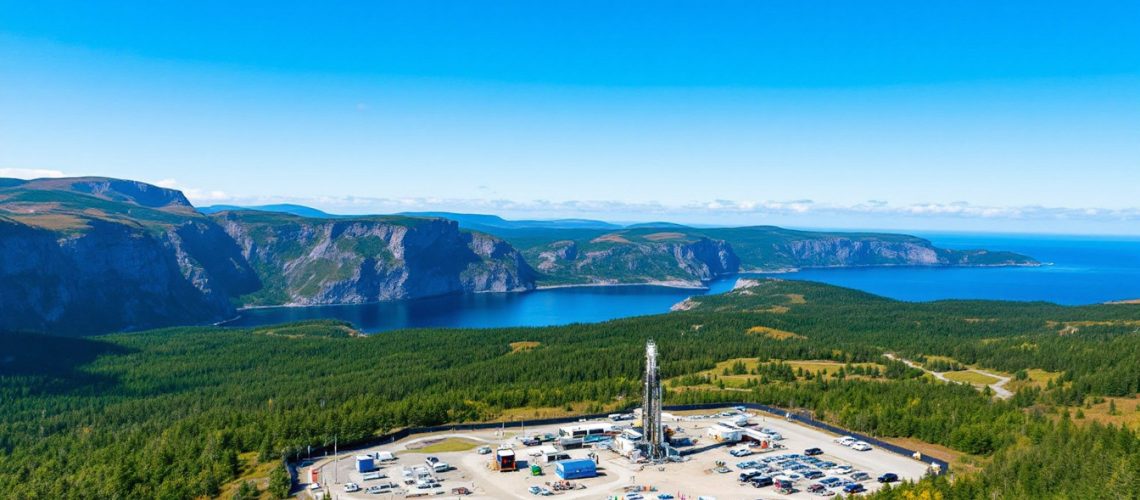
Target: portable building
x=365, y=463
x=576, y=469
x=505, y=460
x=722, y=433
x=583, y=430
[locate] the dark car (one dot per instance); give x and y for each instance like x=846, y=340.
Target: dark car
x=745, y=476
x=816, y=488
x=854, y=488
x=785, y=486
x=889, y=477
x=812, y=474
x=761, y=481
x=811, y=452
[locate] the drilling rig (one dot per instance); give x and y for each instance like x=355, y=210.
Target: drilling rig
x=653, y=430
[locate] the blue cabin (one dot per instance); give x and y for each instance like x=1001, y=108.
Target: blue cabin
x=576, y=469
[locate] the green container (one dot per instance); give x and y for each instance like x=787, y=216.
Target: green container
x=535, y=470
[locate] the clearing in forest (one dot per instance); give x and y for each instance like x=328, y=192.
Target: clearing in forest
x=774, y=333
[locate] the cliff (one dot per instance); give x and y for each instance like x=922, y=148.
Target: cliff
x=635, y=257
x=767, y=247
x=682, y=254
x=100, y=255
x=303, y=261
x=91, y=255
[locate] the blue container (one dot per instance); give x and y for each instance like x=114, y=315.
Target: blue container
x=365, y=463
x=576, y=469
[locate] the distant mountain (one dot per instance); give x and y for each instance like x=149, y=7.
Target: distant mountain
x=683, y=254
x=494, y=224
x=91, y=254
x=284, y=208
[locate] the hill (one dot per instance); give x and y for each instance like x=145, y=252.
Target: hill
x=168, y=413
x=91, y=255
x=284, y=208
x=683, y=254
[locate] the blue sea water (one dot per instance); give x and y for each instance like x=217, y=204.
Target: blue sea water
x=1078, y=270
x=1081, y=270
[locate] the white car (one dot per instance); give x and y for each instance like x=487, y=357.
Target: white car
x=842, y=469
x=846, y=440
x=351, y=488
x=860, y=446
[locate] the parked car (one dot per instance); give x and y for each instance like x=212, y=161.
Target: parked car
x=351, y=488
x=747, y=464
x=830, y=482
x=534, y=490
x=785, y=486
x=811, y=452
x=816, y=488
x=382, y=488
x=665, y=496
x=854, y=488
x=634, y=496
x=826, y=465
x=740, y=452
x=860, y=446
x=889, y=477
x=860, y=476
x=843, y=469
x=761, y=481
x=812, y=474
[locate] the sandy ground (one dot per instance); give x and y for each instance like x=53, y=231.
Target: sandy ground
x=691, y=478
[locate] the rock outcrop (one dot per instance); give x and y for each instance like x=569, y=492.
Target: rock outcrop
x=90, y=255
x=304, y=261
x=110, y=276
x=616, y=259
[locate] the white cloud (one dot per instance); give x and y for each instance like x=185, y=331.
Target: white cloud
x=697, y=209
x=30, y=173
x=195, y=195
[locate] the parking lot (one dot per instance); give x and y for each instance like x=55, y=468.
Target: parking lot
x=711, y=473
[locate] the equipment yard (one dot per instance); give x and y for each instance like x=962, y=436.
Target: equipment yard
x=711, y=473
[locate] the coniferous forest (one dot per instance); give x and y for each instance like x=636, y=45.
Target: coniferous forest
x=168, y=413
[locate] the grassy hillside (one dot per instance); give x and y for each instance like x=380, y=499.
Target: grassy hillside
x=168, y=413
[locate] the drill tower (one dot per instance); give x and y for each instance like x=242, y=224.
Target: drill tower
x=653, y=439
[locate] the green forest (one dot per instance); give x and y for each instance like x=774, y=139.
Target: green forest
x=166, y=413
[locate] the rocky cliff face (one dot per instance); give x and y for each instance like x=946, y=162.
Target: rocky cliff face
x=834, y=251
x=110, y=276
x=350, y=261
x=614, y=258
x=92, y=255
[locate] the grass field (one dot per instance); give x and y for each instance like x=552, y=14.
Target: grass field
x=1127, y=412
x=971, y=377
x=251, y=470
x=736, y=382
x=524, y=346
x=447, y=445
x=774, y=333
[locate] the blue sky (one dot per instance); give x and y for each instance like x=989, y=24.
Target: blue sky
x=991, y=116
